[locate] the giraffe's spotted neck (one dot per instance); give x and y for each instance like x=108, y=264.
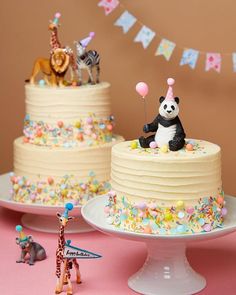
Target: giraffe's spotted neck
x=54, y=41
x=61, y=239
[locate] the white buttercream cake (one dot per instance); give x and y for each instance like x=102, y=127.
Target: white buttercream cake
x=65, y=152
x=166, y=192
x=165, y=183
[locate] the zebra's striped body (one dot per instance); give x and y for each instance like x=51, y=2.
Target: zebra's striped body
x=87, y=60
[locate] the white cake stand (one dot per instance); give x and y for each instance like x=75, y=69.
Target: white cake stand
x=40, y=217
x=166, y=270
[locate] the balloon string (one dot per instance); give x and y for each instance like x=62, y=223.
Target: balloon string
x=145, y=110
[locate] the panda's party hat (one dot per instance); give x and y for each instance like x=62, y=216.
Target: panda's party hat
x=169, y=94
x=86, y=40
x=22, y=236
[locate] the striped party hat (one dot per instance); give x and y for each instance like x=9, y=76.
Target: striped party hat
x=170, y=94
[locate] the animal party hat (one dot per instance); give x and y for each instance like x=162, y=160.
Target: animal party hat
x=170, y=95
x=22, y=236
x=84, y=42
x=56, y=19
x=68, y=207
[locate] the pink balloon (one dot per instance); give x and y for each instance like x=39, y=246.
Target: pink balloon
x=142, y=89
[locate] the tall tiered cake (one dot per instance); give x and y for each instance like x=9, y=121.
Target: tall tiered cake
x=65, y=151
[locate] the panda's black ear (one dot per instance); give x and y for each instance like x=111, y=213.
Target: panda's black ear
x=177, y=100
x=161, y=99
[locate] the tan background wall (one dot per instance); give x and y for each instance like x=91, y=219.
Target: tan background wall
x=208, y=101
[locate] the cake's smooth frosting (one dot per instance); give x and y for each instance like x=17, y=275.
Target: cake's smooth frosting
x=68, y=104
x=185, y=175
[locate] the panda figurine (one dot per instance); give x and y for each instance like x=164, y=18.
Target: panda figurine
x=167, y=125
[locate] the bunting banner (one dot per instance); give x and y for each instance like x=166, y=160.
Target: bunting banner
x=234, y=61
x=145, y=36
x=189, y=57
x=126, y=21
x=108, y=5
x=213, y=61
x=165, y=48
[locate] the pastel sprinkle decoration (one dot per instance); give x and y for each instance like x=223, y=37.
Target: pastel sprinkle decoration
x=134, y=144
x=153, y=145
x=164, y=149
x=155, y=217
x=90, y=131
x=189, y=147
x=50, y=192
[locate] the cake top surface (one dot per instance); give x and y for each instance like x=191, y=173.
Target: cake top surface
x=193, y=149
x=83, y=88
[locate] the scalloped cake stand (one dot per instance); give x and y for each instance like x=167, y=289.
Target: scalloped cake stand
x=39, y=217
x=166, y=270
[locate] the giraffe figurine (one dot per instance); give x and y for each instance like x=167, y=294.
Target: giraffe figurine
x=63, y=265
x=55, y=44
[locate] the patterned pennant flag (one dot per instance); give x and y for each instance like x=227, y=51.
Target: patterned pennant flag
x=145, y=36
x=126, y=21
x=189, y=57
x=71, y=252
x=165, y=48
x=234, y=61
x=213, y=61
x=108, y=5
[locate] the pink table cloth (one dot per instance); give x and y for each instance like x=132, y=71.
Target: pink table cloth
x=215, y=259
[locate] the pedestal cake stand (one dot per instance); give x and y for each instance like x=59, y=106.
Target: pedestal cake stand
x=40, y=217
x=166, y=270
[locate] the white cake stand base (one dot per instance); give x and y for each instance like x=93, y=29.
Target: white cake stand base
x=40, y=217
x=166, y=270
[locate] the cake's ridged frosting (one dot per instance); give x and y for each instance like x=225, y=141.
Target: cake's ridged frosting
x=36, y=162
x=68, y=104
x=175, y=175
x=65, y=153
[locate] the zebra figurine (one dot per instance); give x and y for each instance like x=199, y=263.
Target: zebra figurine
x=87, y=59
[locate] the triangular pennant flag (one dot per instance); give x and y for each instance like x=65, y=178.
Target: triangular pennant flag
x=234, y=61
x=74, y=252
x=126, y=21
x=108, y=5
x=165, y=48
x=189, y=57
x=145, y=36
x=213, y=61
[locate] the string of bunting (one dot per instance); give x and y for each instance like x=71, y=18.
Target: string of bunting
x=166, y=47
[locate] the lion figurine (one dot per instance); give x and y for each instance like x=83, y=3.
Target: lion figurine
x=53, y=69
